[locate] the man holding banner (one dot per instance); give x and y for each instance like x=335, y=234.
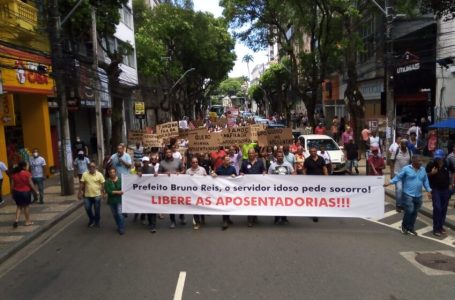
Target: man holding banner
x=169, y=165
x=226, y=169
x=281, y=167
x=252, y=165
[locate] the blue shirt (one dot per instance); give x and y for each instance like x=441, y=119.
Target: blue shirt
x=412, y=180
x=118, y=165
x=37, y=166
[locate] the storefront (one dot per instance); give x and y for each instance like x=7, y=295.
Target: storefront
x=24, y=112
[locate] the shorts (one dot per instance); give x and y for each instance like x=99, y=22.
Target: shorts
x=352, y=163
x=22, y=198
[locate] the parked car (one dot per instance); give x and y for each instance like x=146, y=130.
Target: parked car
x=261, y=120
x=336, y=152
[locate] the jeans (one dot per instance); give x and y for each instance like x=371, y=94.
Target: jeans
x=399, y=193
x=172, y=217
x=411, y=207
x=118, y=217
x=152, y=220
x=93, y=207
x=39, y=182
x=440, y=200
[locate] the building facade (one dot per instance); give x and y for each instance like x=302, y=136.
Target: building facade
x=25, y=85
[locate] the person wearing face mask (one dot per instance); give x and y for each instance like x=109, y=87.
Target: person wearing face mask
x=81, y=162
x=79, y=145
x=37, y=164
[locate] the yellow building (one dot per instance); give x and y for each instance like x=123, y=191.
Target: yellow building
x=25, y=85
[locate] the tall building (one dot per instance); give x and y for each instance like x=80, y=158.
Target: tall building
x=25, y=85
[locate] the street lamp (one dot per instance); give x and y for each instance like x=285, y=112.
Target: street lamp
x=175, y=84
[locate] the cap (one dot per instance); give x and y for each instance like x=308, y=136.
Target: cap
x=438, y=153
x=80, y=152
x=145, y=158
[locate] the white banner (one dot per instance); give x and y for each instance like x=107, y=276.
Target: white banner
x=272, y=195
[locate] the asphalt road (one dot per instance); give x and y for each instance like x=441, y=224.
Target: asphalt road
x=333, y=259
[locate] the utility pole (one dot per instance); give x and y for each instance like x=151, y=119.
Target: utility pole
x=388, y=77
x=58, y=65
x=98, y=111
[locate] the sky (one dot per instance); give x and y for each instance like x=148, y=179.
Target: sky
x=241, y=50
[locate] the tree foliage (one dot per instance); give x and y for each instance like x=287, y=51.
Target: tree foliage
x=256, y=93
x=172, y=39
x=232, y=87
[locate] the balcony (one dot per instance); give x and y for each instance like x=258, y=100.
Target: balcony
x=18, y=14
x=19, y=25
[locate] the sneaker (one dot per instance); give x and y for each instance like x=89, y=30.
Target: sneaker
x=153, y=230
x=404, y=230
x=436, y=233
x=443, y=231
x=91, y=224
x=196, y=226
x=225, y=225
x=172, y=226
x=2, y=202
x=413, y=232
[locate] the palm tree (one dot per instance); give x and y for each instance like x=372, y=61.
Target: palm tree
x=247, y=59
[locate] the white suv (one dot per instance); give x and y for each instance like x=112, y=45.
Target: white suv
x=336, y=152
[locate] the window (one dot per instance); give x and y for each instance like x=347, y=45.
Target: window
x=126, y=16
x=129, y=60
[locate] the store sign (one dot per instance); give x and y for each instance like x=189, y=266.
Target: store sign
x=139, y=110
x=408, y=63
x=7, y=115
x=25, y=72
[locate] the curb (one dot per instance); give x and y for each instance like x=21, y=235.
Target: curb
x=425, y=211
x=29, y=238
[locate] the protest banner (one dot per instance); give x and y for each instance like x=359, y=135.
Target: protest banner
x=270, y=195
x=204, y=142
x=236, y=136
x=167, y=130
x=254, y=129
x=135, y=136
x=151, y=140
x=221, y=122
x=275, y=136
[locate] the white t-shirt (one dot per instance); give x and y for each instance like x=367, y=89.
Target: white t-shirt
x=3, y=168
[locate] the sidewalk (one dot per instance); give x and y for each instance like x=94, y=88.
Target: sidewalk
x=44, y=216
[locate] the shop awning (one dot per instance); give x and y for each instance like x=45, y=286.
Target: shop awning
x=448, y=123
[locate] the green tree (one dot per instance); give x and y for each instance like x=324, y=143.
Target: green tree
x=256, y=93
x=248, y=58
x=171, y=40
x=230, y=87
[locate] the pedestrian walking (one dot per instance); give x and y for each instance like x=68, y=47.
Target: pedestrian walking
x=113, y=188
x=226, y=169
x=121, y=161
x=138, y=152
x=81, y=163
x=326, y=156
x=352, y=154
x=440, y=183
x=414, y=177
x=252, y=165
x=399, y=159
x=37, y=164
x=375, y=162
x=91, y=189
x=281, y=167
x=315, y=165
x=196, y=169
x=170, y=165
x=22, y=185
x=148, y=168
x=3, y=168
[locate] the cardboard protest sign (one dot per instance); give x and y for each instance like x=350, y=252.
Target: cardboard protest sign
x=135, y=136
x=275, y=136
x=254, y=129
x=236, y=136
x=204, y=142
x=184, y=134
x=167, y=130
x=151, y=140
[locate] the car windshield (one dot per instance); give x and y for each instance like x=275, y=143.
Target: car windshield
x=329, y=145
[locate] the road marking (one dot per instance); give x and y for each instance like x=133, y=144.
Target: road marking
x=424, y=230
x=389, y=214
x=180, y=284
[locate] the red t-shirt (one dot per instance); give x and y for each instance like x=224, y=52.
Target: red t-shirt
x=21, y=181
x=378, y=163
x=217, y=158
x=319, y=130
